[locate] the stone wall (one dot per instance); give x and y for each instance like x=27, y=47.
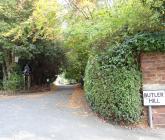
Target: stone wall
x=153, y=72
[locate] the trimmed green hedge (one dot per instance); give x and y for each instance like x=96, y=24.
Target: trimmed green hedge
x=113, y=92
x=113, y=78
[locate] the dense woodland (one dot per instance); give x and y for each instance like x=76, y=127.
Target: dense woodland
x=98, y=41
x=30, y=31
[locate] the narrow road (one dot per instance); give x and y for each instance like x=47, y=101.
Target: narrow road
x=50, y=116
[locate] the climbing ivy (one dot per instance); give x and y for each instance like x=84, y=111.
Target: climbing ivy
x=113, y=78
x=128, y=53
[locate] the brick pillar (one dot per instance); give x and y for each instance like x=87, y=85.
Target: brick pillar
x=153, y=72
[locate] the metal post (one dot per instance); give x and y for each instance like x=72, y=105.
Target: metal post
x=150, y=116
x=24, y=82
x=28, y=82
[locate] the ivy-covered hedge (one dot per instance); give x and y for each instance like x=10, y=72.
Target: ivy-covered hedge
x=113, y=92
x=113, y=78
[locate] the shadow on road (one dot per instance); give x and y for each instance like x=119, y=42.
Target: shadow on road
x=66, y=87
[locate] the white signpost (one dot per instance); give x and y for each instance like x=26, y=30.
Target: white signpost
x=153, y=98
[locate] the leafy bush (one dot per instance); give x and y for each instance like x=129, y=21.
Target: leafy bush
x=1, y=84
x=113, y=92
x=113, y=79
x=77, y=60
x=14, y=82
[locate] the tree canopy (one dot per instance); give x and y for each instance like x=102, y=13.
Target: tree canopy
x=31, y=31
x=108, y=25
x=62, y=35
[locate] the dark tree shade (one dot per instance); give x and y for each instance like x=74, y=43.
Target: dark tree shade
x=47, y=61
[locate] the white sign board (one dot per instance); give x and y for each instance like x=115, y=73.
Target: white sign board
x=154, y=98
x=16, y=59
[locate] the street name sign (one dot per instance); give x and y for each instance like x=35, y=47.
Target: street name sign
x=154, y=98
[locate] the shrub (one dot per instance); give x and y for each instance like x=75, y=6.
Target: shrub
x=14, y=82
x=113, y=78
x=113, y=92
x=1, y=84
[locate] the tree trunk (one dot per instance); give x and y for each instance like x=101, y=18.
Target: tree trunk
x=7, y=65
x=4, y=70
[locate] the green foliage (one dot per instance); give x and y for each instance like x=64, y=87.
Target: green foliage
x=45, y=18
x=113, y=92
x=1, y=77
x=12, y=13
x=124, y=19
x=158, y=6
x=76, y=44
x=73, y=70
x=46, y=60
x=14, y=83
x=76, y=64
x=34, y=37
x=128, y=53
x=113, y=78
x=106, y=27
